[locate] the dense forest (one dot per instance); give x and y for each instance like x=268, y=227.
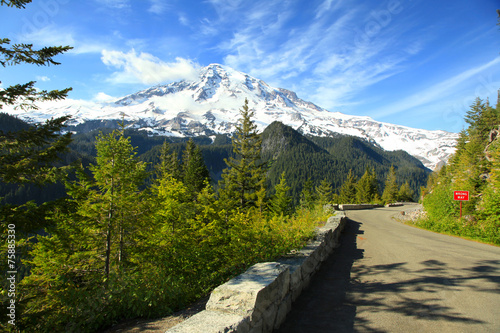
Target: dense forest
x=126, y=242
x=284, y=149
x=475, y=167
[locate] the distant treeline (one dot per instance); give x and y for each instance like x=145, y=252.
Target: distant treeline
x=302, y=158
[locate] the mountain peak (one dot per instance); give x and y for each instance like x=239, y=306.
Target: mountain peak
x=211, y=106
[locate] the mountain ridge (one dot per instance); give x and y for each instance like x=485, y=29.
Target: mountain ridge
x=210, y=106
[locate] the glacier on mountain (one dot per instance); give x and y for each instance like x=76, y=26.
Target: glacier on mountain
x=211, y=105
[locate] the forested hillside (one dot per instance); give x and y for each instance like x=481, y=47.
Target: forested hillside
x=284, y=150
x=475, y=167
x=331, y=160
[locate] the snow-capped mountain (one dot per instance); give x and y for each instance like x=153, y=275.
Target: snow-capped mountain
x=211, y=105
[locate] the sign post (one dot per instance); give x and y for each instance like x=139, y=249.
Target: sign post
x=461, y=196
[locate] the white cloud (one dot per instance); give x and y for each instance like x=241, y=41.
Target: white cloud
x=326, y=7
x=103, y=98
x=225, y=8
x=208, y=28
x=157, y=7
x=147, y=69
x=42, y=78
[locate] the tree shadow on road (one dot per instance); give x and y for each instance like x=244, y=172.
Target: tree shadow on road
x=339, y=298
x=322, y=307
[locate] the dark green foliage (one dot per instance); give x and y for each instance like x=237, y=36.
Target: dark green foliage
x=121, y=247
x=324, y=192
x=195, y=175
x=10, y=123
x=244, y=178
x=307, y=196
x=405, y=194
x=367, y=187
x=283, y=149
x=16, y=54
x=390, y=193
x=28, y=156
x=331, y=159
x=347, y=193
x=15, y=3
x=280, y=204
x=114, y=251
x=474, y=168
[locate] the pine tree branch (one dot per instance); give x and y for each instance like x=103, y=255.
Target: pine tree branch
x=24, y=53
x=15, y=3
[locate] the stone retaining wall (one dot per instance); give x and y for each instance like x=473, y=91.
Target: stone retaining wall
x=258, y=300
x=358, y=206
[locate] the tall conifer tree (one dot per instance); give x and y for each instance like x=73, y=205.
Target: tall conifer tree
x=243, y=180
x=324, y=192
x=112, y=203
x=194, y=171
x=391, y=188
x=307, y=195
x=281, y=201
x=367, y=188
x=348, y=190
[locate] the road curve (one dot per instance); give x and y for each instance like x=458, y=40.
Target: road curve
x=390, y=277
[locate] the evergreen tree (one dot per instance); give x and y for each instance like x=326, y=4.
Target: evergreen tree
x=367, y=187
x=195, y=173
x=245, y=175
x=490, y=206
x=307, y=195
x=347, y=193
x=162, y=167
x=172, y=206
x=17, y=54
x=405, y=193
x=390, y=193
x=281, y=201
x=472, y=168
x=324, y=192
x=112, y=201
x=92, y=244
x=27, y=156
x=174, y=166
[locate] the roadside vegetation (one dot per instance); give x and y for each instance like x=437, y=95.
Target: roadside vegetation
x=475, y=167
x=126, y=243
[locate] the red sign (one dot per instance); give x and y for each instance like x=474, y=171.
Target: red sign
x=461, y=195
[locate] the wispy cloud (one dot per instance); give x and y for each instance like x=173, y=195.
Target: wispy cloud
x=183, y=19
x=42, y=78
x=145, y=68
x=158, y=7
x=436, y=92
x=54, y=35
x=115, y=4
x=331, y=54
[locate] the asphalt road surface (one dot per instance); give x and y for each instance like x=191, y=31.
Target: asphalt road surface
x=390, y=277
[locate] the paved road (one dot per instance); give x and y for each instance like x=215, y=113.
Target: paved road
x=389, y=277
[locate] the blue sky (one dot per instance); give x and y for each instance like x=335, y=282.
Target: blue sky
x=417, y=63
